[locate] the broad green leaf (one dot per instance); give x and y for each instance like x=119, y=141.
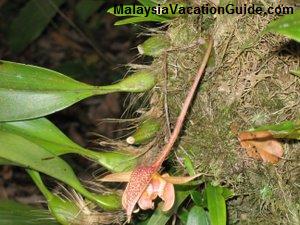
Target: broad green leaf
x=15, y=213
x=197, y=215
x=30, y=23
x=46, y=135
x=85, y=8
x=29, y=155
x=29, y=91
x=286, y=129
x=161, y=218
x=296, y=72
x=288, y=25
x=216, y=205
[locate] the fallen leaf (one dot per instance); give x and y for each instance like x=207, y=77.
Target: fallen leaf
x=261, y=145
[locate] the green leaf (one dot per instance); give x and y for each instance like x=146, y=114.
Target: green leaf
x=198, y=198
x=161, y=218
x=227, y=193
x=14, y=213
x=29, y=155
x=46, y=135
x=137, y=20
x=183, y=215
x=198, y=216
x=288, y=25
x=216, y=205
x=189, y=166
x=5, y=162
x=296, y=72
x=30, y=23
x=86, y=8
x=29, y=92
x=130, y=10
x=286, y=129
x=148, y=3
x=136, y=17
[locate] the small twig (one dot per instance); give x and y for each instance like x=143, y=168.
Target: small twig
x=179, y=123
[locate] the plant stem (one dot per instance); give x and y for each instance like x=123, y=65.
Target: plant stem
x=180, y=120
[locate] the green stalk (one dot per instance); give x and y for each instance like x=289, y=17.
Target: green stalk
x=35, y=176
x=65, y=212
x=137, y=82
x=107, y=202
x=114, y=161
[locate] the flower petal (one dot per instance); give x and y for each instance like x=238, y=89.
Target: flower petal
x=179, y=180
x=146, y=200
x=168, y=197
x=117, y=177
x=139, y=181
x=158, y=184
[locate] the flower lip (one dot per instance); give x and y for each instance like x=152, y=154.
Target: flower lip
x=158, y=187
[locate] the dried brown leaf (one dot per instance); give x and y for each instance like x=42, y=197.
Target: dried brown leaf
x=261, y=145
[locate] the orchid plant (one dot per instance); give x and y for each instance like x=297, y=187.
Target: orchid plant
x=145, y=183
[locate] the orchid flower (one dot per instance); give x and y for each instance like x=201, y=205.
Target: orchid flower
x=137, y=192
x=144, y=182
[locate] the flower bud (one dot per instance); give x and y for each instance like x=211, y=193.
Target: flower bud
x=146, y=131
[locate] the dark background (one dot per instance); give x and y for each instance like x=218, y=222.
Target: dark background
x=92, y=51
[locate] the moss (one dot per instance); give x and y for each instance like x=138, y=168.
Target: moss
x=246, y=85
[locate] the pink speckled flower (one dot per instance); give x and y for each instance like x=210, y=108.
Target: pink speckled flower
x=144, y=186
